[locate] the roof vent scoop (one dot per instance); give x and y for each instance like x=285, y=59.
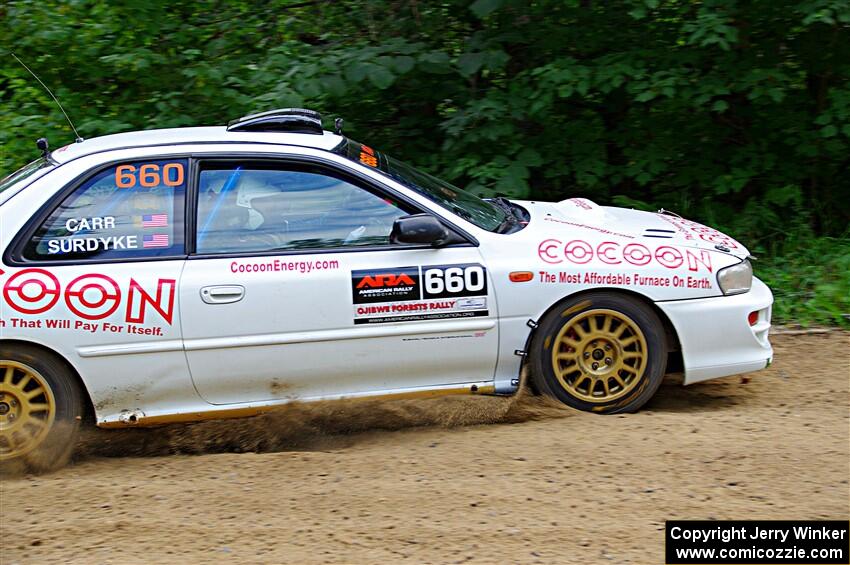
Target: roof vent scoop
x=288, y=120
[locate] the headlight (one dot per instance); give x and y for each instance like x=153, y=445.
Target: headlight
x=736, y=279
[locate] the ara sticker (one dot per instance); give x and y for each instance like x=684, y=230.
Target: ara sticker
x=385, y=285
x=429, y=292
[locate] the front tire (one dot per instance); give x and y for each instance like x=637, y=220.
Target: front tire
x=601, y=352
x=40, y=410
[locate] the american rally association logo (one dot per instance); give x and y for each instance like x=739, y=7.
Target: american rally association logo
x=385, y=285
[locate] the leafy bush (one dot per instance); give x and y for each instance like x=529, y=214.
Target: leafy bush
x=810, y=279
x=731, y=112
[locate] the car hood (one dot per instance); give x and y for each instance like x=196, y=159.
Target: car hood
x=549, y=218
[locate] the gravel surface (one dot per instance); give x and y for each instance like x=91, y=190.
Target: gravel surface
x=477, y=480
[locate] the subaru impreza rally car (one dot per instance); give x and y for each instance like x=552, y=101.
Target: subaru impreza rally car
x=177, y=275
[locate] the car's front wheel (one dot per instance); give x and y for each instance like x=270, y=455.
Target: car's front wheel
x=40, y=410
x=601, y=352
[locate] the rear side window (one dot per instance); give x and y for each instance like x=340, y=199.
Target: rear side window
x=130, y=210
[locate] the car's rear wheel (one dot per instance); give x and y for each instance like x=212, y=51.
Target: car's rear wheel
x=602, y=352
x=40, y=410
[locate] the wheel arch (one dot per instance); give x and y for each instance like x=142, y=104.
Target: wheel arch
x=89, y=414
x=672, y=337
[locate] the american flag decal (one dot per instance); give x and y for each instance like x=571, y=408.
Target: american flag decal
x=156, y=240
x=155, y=221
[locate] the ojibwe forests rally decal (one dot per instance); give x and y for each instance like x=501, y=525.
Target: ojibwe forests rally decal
x=693, y=266
x=34, y=293
x=407, y=294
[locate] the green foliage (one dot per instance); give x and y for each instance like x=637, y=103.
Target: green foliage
x=732, y=112
x=810, y=278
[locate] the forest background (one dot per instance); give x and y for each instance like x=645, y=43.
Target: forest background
x=732, y=113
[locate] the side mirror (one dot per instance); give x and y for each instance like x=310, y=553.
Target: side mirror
x=420, y=228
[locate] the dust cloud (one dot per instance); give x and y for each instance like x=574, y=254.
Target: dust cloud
x=317, y=425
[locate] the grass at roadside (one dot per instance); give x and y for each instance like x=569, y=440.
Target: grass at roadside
x=810, y=279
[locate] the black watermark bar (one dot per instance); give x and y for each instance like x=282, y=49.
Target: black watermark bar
x=757, y=542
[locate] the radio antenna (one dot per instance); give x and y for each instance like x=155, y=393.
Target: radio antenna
x=79, y=139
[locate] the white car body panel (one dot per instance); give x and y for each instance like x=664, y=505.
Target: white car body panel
x=744, y=348
x=291, y=334
x=309, y=347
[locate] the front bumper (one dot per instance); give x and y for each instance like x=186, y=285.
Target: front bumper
x=716, y=337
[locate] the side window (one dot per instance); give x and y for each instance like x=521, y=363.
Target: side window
x=130, y=210
x=250, y=208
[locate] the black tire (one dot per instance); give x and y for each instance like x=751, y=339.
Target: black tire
x=23, y=448
x=577, y=357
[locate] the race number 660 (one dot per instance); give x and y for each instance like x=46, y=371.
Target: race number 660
x=149, y=175
x=454, y=279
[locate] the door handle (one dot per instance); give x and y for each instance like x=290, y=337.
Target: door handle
x=223, y=294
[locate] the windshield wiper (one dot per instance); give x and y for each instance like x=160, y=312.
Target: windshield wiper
x=505, y=205
x=511, y=219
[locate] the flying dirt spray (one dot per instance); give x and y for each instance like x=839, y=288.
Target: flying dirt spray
x=316, y=425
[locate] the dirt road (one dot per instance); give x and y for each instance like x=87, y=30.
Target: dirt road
x=360, y=483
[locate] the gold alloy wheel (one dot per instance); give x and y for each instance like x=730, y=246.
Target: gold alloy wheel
x=599, y=356
x=27, y=409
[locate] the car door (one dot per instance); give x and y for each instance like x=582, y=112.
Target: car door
x=294, y=290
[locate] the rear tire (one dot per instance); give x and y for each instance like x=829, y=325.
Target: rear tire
x=41, y=408
x=601, y=352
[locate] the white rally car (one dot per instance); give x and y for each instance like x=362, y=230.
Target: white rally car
x=177, y=275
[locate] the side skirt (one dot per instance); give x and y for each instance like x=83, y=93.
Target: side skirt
x=138, y=418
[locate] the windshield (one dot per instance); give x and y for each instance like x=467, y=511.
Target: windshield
x=24, y=172
x=480, y=212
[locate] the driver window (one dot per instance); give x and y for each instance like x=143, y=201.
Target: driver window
x=250, y=209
